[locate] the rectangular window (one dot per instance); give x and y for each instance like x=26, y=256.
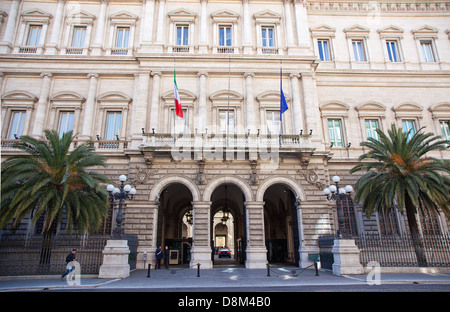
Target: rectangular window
x=358, y=50
x=16, y=125
x=324, y=49
x=113, y=122
x=273, y=122
x=427, y=51
x=335, y=130
x=34, y=34
x=225, y=36
x=371, y=127
x=182, y=35
x=226, y=118
x=122, y=37
x=79, y=34
x=409, y=124
x=445, y=127
x=65, y=123
x=392, y=48
x=267, y=34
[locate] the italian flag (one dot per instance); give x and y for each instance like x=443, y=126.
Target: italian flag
x=178, y=109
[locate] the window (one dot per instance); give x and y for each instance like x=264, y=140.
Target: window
x=122, y=37
x=267, y=34
x=113, y=122
x=79, y=34
x=180, y=123
x=392, y=48
x=427, y=51
x=371, y=127
x=409, y=125
x=324, y=49
x=226, y=118
x=225, y=36
x=182, y=35
x=65, y=122
x=273, y=122
x=16, y=126
x=445, y=127
x=335, y=130
x=34, y=35
x=358, y=50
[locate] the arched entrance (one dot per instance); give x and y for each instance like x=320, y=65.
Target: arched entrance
x=228, y=223
x=175, y=222
x=281, y=225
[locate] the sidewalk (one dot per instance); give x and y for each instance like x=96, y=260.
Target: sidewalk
x=214, y=279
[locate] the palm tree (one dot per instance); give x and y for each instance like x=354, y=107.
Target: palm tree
x=48, y=181
x=398, y=170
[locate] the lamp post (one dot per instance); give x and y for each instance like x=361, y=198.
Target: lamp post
x=344, y=205
x=120, y=193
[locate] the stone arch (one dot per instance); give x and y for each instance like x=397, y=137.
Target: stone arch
x=239, y=182
x=290, y=182
x=162, y=183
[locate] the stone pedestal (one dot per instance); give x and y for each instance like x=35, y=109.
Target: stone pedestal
x=346, y=257
x=256, y=258
x=115, y=260
x=201, y=255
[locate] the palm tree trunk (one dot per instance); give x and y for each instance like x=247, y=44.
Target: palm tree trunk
x=46, y=252
x=419, y=248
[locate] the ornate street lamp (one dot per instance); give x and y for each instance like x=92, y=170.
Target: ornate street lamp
x=345, y=209
x=122, y=193
x=189, y=217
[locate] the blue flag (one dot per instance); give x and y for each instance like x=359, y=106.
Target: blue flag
x=283, y=104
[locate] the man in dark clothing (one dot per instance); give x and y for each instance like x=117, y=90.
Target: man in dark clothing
x=166, y=257
x=158, y=255
x=70, y=257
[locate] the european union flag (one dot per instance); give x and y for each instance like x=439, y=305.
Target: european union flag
x=283, y=104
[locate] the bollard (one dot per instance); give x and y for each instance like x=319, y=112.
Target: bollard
x=148, y=270
x=198, y=269
x=316, y=268
x=268, y=269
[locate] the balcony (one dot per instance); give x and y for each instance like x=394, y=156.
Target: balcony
x=215, y=142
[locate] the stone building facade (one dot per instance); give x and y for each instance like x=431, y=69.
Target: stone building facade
x=105, y=69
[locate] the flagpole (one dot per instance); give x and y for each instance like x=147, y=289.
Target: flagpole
x=174, y=111
x=228, y=108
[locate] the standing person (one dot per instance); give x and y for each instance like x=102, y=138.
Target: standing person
x=166, y=257
x=69, y=267
x=158, y=255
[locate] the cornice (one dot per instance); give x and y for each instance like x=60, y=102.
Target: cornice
x=382, y=7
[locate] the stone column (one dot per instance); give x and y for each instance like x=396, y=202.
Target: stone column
x=161, y=22
x=89, y=109
x=7, y=44
x=52, y=46
x=41, y=106
x=146, y=34
x=301, y=20
x=247, y=36
x=256, y=252
x=139, y=110
x=250, y=111
x=296, y=105
x=203, y=43
x=97, y=47
x=201, y=122
x=310, y=106
x=201, y=239
x=154, y=108
x=288, y=23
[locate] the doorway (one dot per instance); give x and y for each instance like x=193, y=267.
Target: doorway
x=175, y=222
x=281, y=225
x=228, y=224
